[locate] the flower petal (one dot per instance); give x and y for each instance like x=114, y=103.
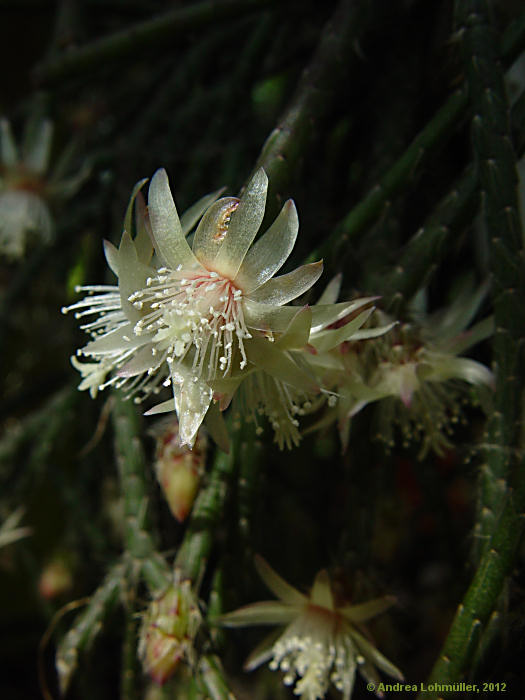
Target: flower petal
x=111, y=253
x=37, y=146
x=194, y=213
x=279, y=364
x=372, y=654
x=9, y=151
x=211, y=230
x=170, y=242
x=298, y=332
x=192, y=400
x=163, y=407
x=265, y=317
x=263, y=651
x=365, y=611
x=281, y=588
x=331, y=292
x=244, y=224
x=325, y=314
x=132, y=275
x=267, y=612
x=326, y=340
x=280, y=290
x=321, y=593
x=270, y=252
x=141, y=362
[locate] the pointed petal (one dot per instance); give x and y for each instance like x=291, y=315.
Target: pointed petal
x=326, y=340
x=194, y=213
x=211, y=230
x=465, y=340
x=170, y=243
x=268, y=612
x=279, y=364
x=141, y=362
x=298, y=331
x=283, y=590
x=321, y=593
x=111, y=253
x=270, y=252
x=143, y=239
x=470, y=371
x=120, y=339
x=265, y=317
x=244, y=224
x=326, y=314
x=163, y=407
x=281, y=290
x=128, y=216
x=132, y=275
x=216, y=426
x=37, y=147
x=372, y=654
x=9, y=151
x=365, y=611
x=192, y=399
x=367, y=333
x=330, y=294
x=262, y=652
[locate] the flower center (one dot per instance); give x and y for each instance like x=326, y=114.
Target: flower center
x=200, y=311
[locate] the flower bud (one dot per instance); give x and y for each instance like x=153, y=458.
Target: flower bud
x=168, y=629
x=179, y=469
x=56, y=579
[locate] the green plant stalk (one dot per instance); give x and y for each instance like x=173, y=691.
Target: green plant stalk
x=132, y=469
x=500, y=523
x=88, y=624
x=498, y=178
x=403, y=170
x=286, y=144
x=205, y=517
x=129, y=686
x=483, y=593
x=157, y=33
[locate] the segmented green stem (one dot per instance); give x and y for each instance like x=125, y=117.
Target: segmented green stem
x=88, y=624
x=132, y=470
x=205, y=518
x=499, y=535
x=404, y=169
x=157, y=32
x=286, y=144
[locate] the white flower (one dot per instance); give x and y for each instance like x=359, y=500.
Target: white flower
x=196, y=316
x=323, y=641
x=28, y=187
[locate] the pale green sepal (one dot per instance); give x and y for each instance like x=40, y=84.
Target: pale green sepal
x=163, y=407
x=194, y=213
x=365, y=611
x=122, y=338
x=37, y=146
x=460, y=313
x=143, y=239
x=330, y=294
x=269, y=253
x=132, y=275
x=465, y=340
x=369, y=651
x=244, y=224
x=268, y=612
x=278, y=586
x=128, y=217
x=321, y=593
x=449, y=367
x=141, y=362
x=297, y=334
x=326, y=314
x=268, y=318
x=326, y=340
x=278, y=363
x=211, y=230
x=9, y=151
x=111, y=253
x=280, y=290
x=192, y=400
x=262, y=652
x=367, y=333
x=170, y=243
x=216, y=426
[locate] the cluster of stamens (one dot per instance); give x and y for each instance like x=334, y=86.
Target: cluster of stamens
x=199, y=312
